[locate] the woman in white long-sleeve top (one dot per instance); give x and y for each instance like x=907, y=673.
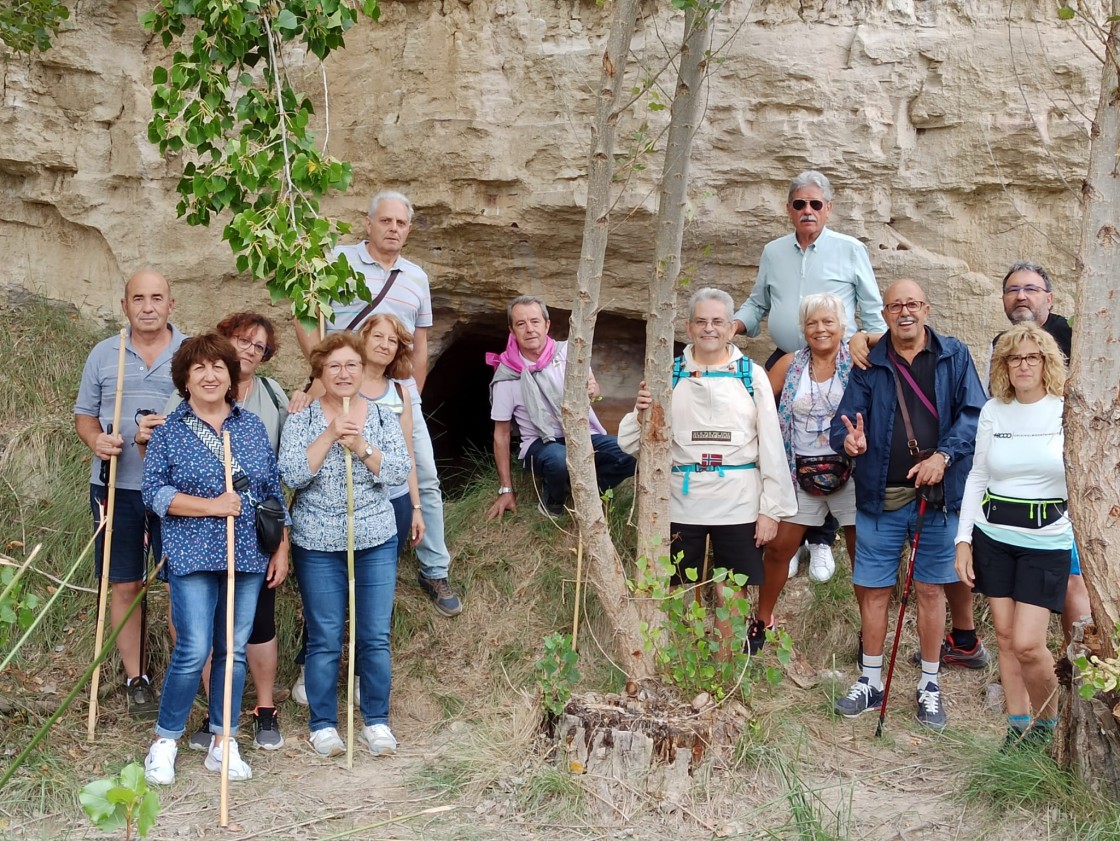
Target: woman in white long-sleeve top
x=1015, y=535
x=312, y=461
x=730, y=484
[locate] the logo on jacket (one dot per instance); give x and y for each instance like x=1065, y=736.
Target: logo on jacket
x=712, y=435
x=711, y=461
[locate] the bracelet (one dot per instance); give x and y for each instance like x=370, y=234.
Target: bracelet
x=417, y=507
x=504, y=490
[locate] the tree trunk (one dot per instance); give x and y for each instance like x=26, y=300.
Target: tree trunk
x=604, y=566
x=653, y=457
x=1088, y=739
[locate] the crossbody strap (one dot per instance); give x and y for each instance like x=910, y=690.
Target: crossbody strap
x=214, y=444
x=900, y=374
x=370, y=307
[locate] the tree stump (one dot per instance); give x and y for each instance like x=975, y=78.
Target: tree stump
x=644, y=745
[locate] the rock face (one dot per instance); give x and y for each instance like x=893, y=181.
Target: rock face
x=954, y=131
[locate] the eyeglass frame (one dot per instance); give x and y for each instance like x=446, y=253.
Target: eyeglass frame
x=1029, y=288
x=1032, y=360
x=716, y=323
x=244, y=344
x=816, y=204
x=336, y=368
x=896, y=307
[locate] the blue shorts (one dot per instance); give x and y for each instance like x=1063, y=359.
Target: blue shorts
x=1074, y=560
x=879, y=542
x=135, y=530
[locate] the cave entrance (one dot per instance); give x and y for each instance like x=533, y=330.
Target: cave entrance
x=457, y=392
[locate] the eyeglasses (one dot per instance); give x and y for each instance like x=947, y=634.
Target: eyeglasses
x=1032, y=360
x=336, y=368
x=799, y=204
x=910, y=306
x=717, y=323
x=1030, y=289
x=244, y=344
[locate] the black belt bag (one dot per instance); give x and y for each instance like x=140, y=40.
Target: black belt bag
x=1022, y=513
x=822, y=475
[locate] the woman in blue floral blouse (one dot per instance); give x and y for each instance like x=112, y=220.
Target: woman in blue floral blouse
x=184, y=482
x=312, y=461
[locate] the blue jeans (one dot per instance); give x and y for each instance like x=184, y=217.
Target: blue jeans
x=431, y=554
x=549, y=462
x=323, y=585
x=198, y=608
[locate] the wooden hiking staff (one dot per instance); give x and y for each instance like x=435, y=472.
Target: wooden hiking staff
x=227, y=689
x=106, y=555
x=352, y=596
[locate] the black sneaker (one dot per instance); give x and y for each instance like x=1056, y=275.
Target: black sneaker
x=860, y=698
x=931, y=712
x=200, y=738
x=142, y=701
x=443, y=597
x=952, y=654
x=756, y=637
x=266, y=728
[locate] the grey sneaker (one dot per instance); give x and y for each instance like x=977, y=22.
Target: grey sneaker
x=860, y=698
x=444, y=599
x=931, y=712
x=379, y=739
x=327, y=742
x=200, y=739
x=266, y=729
x=142, y=701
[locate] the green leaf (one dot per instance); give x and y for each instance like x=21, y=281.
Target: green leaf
x=286, y=20
x=1065, y=13
x=159, y=75
x=148, y=812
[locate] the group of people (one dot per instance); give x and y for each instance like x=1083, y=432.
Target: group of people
x=880, y=427
x=358, y=421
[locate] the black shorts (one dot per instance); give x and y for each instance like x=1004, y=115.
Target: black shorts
x=264, y=622
x=1029, y=576
x=135, y=533
x=732, y=548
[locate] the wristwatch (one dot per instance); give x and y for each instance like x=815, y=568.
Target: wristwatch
x=948, y=458
x=504, y=490
x=369, y=452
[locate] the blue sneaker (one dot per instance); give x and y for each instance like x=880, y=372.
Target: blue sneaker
x=860, y=698
x=931, y=712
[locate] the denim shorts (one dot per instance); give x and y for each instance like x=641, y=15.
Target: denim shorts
x=135, y=531
x=880, y=539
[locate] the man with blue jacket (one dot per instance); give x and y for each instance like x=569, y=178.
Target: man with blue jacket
x=937, y=381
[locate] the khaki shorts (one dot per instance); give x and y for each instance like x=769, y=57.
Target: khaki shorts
x=811, y=510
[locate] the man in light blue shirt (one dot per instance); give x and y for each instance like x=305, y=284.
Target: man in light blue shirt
x=813, y=259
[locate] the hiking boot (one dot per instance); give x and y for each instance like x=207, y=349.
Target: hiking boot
x=379, y=739
x=238, y=768
x=860, y=698
x=159, y=764
x=756, y=637
x=822, y=565
x=931, y=712
x=327, y=742
x=266, y=729
x=142, y=701
x=976, y=657
x=443, y=597
x=1038, y=737
x=200, y=738
x=299, y=691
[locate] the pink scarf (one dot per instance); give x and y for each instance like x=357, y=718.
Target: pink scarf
x=511, y=357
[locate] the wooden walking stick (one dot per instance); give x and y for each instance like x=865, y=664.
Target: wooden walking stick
x=227, y=689
x=106, y=555
x=353, y=598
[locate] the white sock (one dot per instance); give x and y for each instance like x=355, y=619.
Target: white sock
x=929, y=674
x=873, y=669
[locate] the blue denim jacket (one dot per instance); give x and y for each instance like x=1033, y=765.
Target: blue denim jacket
x=959, y=398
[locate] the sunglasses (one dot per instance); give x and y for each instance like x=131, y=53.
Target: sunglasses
x=799, y=204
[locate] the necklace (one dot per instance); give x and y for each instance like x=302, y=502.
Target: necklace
x=818, y=396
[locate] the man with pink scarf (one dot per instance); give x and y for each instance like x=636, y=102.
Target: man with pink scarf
x=528, y=386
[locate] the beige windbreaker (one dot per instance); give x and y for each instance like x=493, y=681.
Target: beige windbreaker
x=716, y=421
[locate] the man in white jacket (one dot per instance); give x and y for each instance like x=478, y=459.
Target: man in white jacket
x=730, y=481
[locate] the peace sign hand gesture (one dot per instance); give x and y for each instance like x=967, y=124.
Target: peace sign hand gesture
x=855, y=444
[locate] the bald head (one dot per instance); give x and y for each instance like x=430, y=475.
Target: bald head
x=147, y=276
x=147, y=304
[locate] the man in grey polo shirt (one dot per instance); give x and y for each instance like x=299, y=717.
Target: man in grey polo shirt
x=378, y=259
x=147, y=305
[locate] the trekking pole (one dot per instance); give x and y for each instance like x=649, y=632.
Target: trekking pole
x=902, y=612
x=227, y=688
x=107, y=552
x=353, y=599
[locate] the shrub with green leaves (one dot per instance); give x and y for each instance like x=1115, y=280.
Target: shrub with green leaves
x=17, y=606
x=557, y=672
x=121, y=802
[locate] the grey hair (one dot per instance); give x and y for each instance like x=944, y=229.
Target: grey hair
x=810, y=178
x=820, y=301
x=1028, y=266
x=390, y=195
x=525, y=300
x=709, y=293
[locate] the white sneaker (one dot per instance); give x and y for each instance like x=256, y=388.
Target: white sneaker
x=821, y=563
x=299, y=690
x=159, y=764
x=238, y=768
x=379, y=739
x=327, y=742
x=795, y=563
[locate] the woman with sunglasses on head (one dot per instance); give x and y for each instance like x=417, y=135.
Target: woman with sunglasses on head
x=313, y=461
x=1015, y=535
x=253, y=337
